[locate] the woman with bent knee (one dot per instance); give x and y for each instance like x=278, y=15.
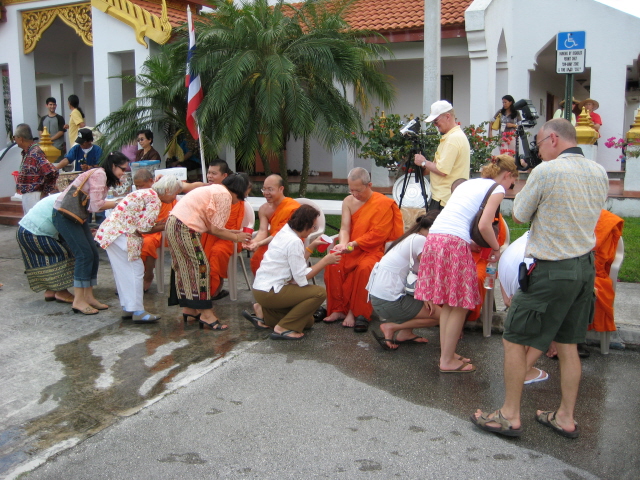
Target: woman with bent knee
x=447, y=274
x=281, y=286
x=202, y=210
x=78, y=236
x=387, y=289
x=121, y=236
x=48, y=261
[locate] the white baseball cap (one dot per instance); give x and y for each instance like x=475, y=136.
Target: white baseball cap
x=438, y=108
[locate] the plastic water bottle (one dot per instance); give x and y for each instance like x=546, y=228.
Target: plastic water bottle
x=110, y=194
x=490, y=279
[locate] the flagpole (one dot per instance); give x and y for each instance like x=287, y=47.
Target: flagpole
x=202, y=161
x=194, y=95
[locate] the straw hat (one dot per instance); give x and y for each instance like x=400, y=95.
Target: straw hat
x=596, y=105
x=573, y=100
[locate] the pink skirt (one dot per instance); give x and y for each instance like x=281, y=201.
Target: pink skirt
x=447, y=273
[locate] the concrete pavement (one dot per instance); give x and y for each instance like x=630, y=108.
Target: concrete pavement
x=331, y=405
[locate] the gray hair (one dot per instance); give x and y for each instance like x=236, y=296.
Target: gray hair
x=562, y=128
x=23, y=131
x=142, y=175
x=359, y=173
x=167, y=185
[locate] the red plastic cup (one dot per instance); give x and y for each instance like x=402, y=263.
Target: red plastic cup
x=333, y=250
x=15, y=174
x=326, y=241
x=247, y=229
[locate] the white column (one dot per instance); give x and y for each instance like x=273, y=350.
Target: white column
x=481, y=94
x=432, y=45
x=343, y=160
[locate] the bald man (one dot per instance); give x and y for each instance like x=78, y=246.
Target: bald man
x=369, y=220
x=273, y=215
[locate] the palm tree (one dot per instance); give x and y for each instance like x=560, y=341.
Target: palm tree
x=283, y=72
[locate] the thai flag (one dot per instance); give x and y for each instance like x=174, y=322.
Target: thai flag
x=195, y=94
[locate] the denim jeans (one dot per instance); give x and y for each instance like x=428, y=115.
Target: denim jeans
x=84, y=249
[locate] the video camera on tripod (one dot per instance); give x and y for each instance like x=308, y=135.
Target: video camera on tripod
x=530, y=149
x=412, y=130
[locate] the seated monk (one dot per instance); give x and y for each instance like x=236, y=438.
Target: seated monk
x=273, y=215
x=219, y=250
x=369, y=220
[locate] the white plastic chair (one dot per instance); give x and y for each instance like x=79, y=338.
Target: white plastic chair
x=605, y=337
x=232, y=270
x=486, y=314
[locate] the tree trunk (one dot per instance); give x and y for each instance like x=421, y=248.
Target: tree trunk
x=304, y=175
x=282, y=163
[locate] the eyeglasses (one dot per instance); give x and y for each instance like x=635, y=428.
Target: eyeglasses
x=121, y=168
x=267, y=190
x=538, y=144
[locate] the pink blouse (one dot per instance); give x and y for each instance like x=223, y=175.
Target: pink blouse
x=204, y=207
x=95, y=187
x=137, y=211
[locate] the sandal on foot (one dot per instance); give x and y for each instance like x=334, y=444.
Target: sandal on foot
x=254, y=320
x=552, y=423
x=412, y=341
x=68, y=299
x=542, y=376
x=319, y=314
x=85, y=311
x=460, y=369
x=505, y=427
x=286, y=335
x=362, y=324
x=100, y=306
x=213, y=326
x=49, y=299
x=144, y=317
x=221, y=295
x=385, y=342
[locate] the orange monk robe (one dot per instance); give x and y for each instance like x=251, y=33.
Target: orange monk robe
x=151, y=241
x=608, y=232
x=481, y=268
x=378, y=221
x=278, y=220
x=218, y=250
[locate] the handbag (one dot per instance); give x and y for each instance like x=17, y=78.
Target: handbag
x=496, y=123
x=476, y=236
x=412, y=277
x=74, y=203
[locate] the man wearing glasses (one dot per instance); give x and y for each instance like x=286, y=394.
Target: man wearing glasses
x=563, y=199
x=273, y=215
x=452, y=159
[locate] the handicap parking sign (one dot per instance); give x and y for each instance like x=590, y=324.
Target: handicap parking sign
x=571, y=41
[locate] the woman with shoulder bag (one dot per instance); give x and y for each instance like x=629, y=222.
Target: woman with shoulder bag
x=87, y=194
x=389, y=289
x=506, y=121
x=447, y=274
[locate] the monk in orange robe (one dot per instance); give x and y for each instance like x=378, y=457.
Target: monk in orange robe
x=273, y=215
x=608, y=232
x=219, y=251
x=481, y=268
x=369, y=220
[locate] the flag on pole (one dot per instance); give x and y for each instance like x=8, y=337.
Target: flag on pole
x=195, y=95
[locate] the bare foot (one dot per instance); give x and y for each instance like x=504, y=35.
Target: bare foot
x=456, y=366
x=257, y=308
x=334, y=317
x=349, y=320
x=462, y=359
x=388, y=332
x=147, y=284
x=64, y=296
x=553, y=351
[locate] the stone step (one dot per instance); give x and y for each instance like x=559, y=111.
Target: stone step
x=8, y=218
x=8, y=206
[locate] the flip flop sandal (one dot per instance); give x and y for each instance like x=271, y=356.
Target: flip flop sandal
x=221, y=295
x=362, y=325
x=49, y=299
x=552, y=423
x=384, y=342
x=460, y=369
x=145, y=317
x=542, y=376
x=412, y=341
x=254, y=320
x=505, y=427
x=286, y=335
x=320, y=314
x=213, y=326
x=68, y=299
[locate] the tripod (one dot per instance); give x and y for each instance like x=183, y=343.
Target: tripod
x=411, y=168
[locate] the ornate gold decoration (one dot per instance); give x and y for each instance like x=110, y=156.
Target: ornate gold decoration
x=144, y=23
x=633, y=135
x=51, y=152
x=36, y=22
x=587, y=135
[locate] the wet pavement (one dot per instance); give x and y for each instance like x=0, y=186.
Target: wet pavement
x=179, y=401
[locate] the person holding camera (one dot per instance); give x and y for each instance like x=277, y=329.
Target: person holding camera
x=453, y=156
x=563, y=198
x=506, y=120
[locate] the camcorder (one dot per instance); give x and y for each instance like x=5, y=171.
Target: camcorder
x=530, y=149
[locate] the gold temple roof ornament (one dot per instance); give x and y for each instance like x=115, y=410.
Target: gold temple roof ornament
x=587, y=135
x=36, y=22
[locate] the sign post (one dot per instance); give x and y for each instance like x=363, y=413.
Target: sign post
x=571, y=51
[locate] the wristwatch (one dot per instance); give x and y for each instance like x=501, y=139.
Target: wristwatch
x=424, y=164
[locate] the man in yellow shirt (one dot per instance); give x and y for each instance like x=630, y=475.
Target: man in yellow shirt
x=452, y=159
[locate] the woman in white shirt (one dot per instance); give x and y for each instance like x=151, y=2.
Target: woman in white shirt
x=387, y=293
x=281, y=285
x=447, y=274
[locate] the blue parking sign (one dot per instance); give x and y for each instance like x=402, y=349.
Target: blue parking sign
x=571, y=41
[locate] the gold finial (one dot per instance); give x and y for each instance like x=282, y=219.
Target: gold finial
x=633, y=135
x=51, y=152
x=585, y=132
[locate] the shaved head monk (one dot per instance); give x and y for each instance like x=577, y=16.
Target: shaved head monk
x=369, y=220
x=273, y=215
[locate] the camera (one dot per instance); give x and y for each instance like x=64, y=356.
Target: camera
x=530, y=149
